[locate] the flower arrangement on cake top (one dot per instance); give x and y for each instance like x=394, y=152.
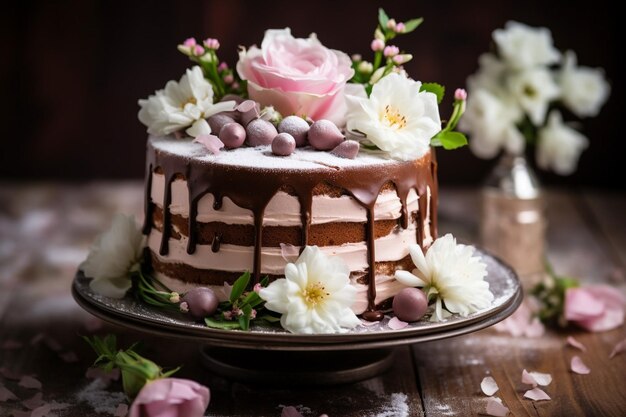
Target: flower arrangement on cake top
x=295, y=92
x=516, y=93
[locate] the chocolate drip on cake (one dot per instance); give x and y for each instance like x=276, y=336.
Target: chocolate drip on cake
x=252, y=188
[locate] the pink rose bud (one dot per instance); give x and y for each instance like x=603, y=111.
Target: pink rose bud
x=235, y=85
x=212, y=43
x=174, y=397
x=356, y=57
x=257, y=287
x=378, y=45
x=198, y=50
x=222, y=66
x=190, y=42
x=228, y=78
x=324, y=135
x=391, y=24
x=283, y=144
x=402, y=58
x=391, y=51
x=400, y=28
x=460, y=94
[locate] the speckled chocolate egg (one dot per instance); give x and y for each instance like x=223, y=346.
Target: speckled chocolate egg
x=217, y=121
x=296, y=127
x=283, y=144
x=410, y=304
x=233, y=135
x=260, y=132
x=346, y=149
x=201, y=302
x=324, y=135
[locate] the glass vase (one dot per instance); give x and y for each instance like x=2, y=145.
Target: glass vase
x=513, y=223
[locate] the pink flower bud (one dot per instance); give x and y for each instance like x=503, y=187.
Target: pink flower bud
x=391, y=24
x=190, y=42
x=228, y=78
x=235, y=85
x=222, y=66
x=356, y=57
x=257, y=287
x=198, y=50
x=228, y=315
x=402, y=58
x=377, y=45
x=400, y=28
x=253, y=314
x=184, y=307
x=391, y=51
x=460, y=94
x=212, y=43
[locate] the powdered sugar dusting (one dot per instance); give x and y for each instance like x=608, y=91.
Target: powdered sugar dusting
x=261, y=156
x=397, y=407
x=101, y=400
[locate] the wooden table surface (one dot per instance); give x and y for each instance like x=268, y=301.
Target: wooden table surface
x=46, y=229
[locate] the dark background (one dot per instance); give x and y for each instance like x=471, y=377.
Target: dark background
x=72, y=70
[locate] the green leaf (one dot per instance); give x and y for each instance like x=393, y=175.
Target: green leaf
x=244, y=319
x=383, y=18
x=449, y=140
x=239, y=286
x=221, y=324
x=265, y=281
x=437, y=89
x=269, y=318
x=411, y=25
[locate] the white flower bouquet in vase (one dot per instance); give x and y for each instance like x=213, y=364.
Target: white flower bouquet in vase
x=515, y=104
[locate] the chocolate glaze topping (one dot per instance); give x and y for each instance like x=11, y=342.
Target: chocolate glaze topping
x=252, y=188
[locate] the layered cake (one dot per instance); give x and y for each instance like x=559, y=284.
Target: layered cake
x=211, y=217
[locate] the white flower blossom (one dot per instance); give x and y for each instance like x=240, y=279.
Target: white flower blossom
x=490, y=75
x=534, y=89
x=584, y=90
x=491, y=122
x=450, y=274
x=315, y=296
x=182, y=104
x=522, y=46
x=559, y=146
x=397, y=118
x=114, y=255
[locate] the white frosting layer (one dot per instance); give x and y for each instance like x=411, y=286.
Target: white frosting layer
x=392, y=247
x=283, y=209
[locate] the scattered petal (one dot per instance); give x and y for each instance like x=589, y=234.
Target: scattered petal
x=489, y=386
x=289, y=252
x=6, y=395
x=368, y=323
x=34, y=402
x=53, y=344
x=619, y=348
x=537, y=394
x=121, y=410
x=211, y=142
x=496, y=408
x=37, y=338
x=28, y=381
x=11, y=344
x=93, y=324
x=535, y=328
x=290, y=411
x=397, y=324
x=536, y=378
x=9, y=374
x=577, y=366
x=575, y=343
x=42, y=411
x=69, y=357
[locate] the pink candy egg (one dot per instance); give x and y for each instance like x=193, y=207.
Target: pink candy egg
x=410, y=304
x=283, y=144
x=346, y=149
x=324, y=135
x=260, y=132
x=233, y=135
x=202, y=302
x=296, y=127
x=217, y=121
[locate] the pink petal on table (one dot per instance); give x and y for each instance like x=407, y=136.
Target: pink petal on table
x=290, y=411
x=577, y=366
x=9, y=374
x=28, y=381
x=68, y=357
x=537, y=394
x=289, y=252
x=536, y=378
x=6, y=395
x=580, y=304
x=575, y=343
x=11, y=344
x=535, y=328
x=619, y=348
x=396, y=324
x=488, y=386
x=612, y=318
x=368, y=323
x=121, y=410
x=34, y=402
x=496, y=408
x=53, y=344
x=37, y=338
x=42, y=411
x=211, y=142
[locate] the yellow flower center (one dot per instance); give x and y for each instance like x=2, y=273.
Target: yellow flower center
x=314, y=294
x=393, y=118
x=191, y=100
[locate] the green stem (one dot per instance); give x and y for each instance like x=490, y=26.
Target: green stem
x=378, y=56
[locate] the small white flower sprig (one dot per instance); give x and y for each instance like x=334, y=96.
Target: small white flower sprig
x=516, y=94
x=451, y=277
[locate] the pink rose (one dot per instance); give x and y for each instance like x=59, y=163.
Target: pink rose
x=170, y=397
x=297, y=76
x=595, y=307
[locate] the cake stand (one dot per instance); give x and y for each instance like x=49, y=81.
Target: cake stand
x=274, y=356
